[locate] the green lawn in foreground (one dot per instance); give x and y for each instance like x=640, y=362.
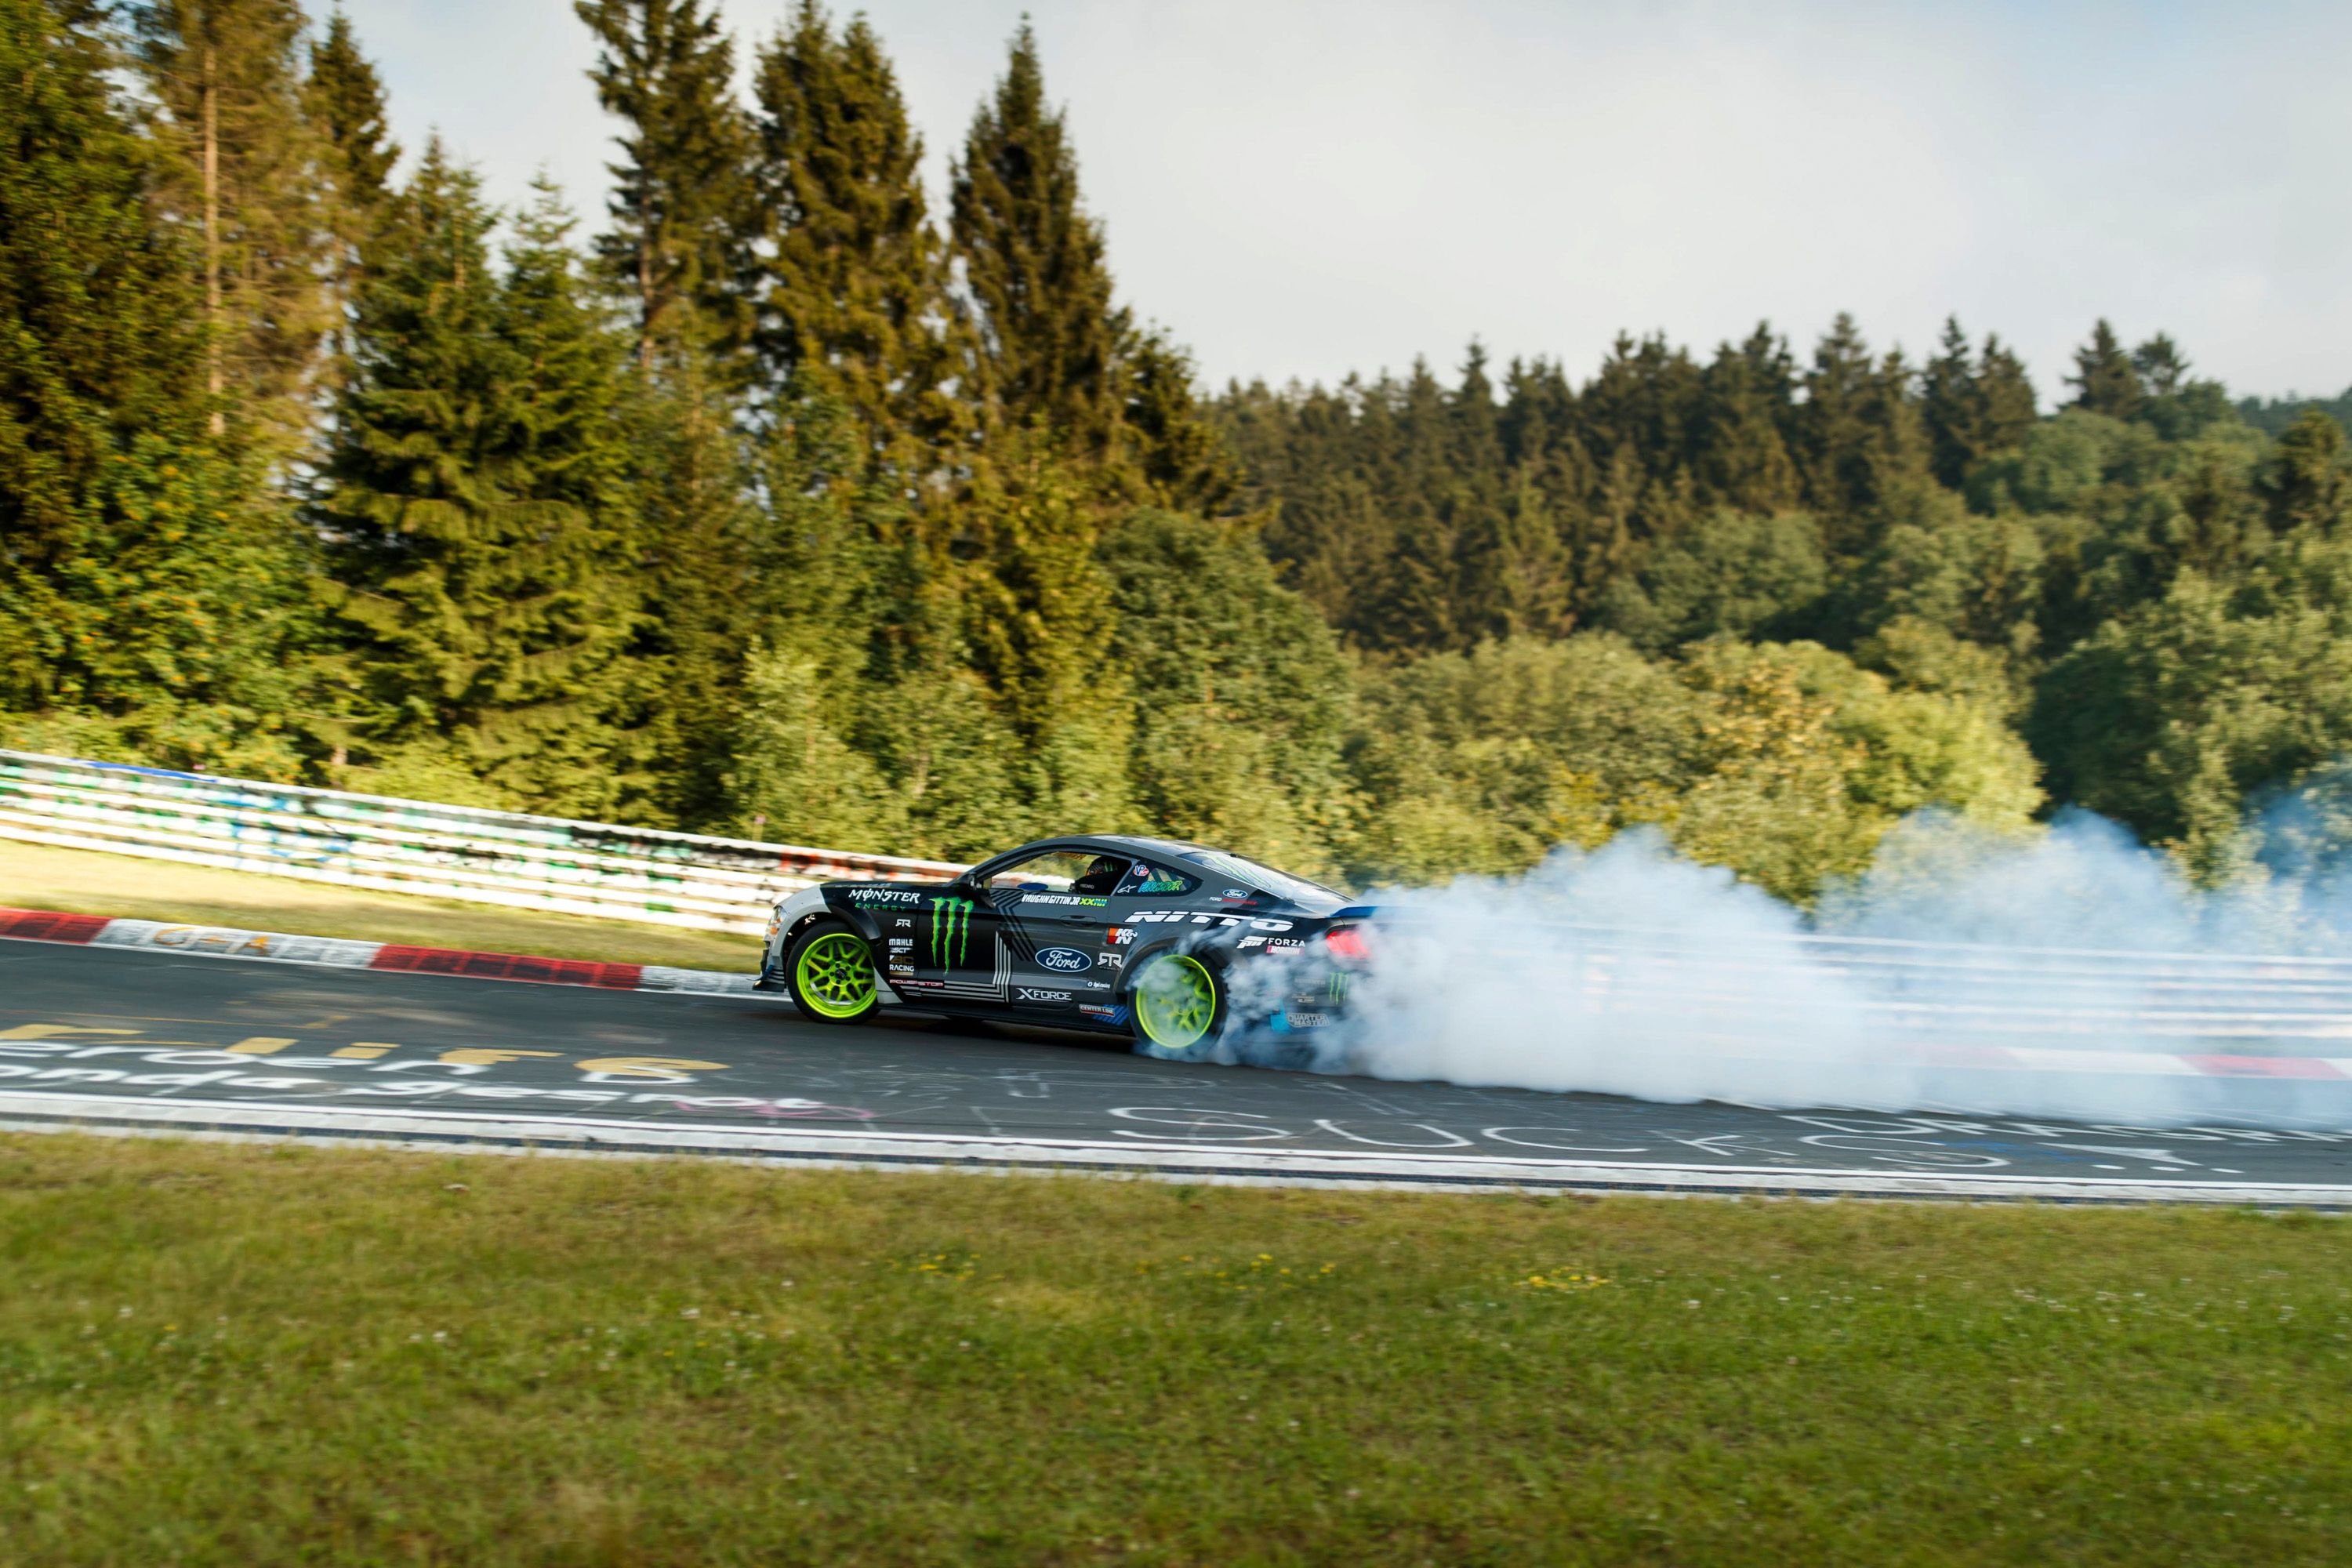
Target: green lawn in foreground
x=223, y=1355
x=90, y=882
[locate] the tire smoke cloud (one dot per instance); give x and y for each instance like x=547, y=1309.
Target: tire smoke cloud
x=2073, y=973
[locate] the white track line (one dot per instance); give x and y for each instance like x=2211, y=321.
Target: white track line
x=932, y=1151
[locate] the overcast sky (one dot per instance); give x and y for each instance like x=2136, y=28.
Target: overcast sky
x=1302, y=189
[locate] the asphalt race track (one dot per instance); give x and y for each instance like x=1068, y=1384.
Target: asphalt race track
x=135, y=1041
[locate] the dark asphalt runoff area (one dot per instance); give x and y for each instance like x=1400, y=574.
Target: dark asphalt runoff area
x=139, y=1041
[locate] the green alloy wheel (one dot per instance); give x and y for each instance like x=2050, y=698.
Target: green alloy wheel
x=833, y=974
x=1179, y=1005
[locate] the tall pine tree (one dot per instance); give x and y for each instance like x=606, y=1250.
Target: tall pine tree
x=242, y=173
x=1033, y=259
x=2104, y=380
x=346, y=104
x=472, y=479
x=680, y=187
x=147, y=585
x=849, y=280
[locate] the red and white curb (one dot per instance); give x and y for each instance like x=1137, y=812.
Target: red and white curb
x=338, y=953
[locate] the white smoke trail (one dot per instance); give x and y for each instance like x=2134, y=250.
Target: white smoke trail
x=2073, y=973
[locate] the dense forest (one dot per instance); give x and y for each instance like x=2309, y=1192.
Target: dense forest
x=772, y=501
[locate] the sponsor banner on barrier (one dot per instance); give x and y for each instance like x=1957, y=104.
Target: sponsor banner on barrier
x=226, y=942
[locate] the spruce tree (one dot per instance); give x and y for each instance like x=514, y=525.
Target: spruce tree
x=241, y=173
x=2005, y=398
x=472, y=479
x=2104, y=380
x=2162, y=368
x=1175, y=447
x=2309, y=486
x=681, y=186
x=850, y=281
x=1952, y=406
x=1740, y=457
x=1034, y=261
x=142, y=573
x=100, y=332
x=1863, y=438
x=346, y=105
x=1836, y=433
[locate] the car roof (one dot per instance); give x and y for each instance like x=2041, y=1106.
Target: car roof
x=1122, y=843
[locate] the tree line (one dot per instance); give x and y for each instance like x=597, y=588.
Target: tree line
x=779, y=504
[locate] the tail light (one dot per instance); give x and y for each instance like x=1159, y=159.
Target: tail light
x=1347, y=941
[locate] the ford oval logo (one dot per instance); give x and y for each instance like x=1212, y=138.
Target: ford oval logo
x=1068, y=960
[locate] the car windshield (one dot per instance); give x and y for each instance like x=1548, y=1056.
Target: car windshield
x=1297, y=890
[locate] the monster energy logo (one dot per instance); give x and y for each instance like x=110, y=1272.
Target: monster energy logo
x=1335, y=986
x=951, y=927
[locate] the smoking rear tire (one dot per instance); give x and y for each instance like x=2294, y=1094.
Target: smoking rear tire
x=1179, y=1006
x=830, y=969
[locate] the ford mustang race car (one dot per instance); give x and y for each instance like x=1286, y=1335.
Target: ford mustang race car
x=1179, y=946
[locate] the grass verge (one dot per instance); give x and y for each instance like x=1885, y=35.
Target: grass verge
x=87, y=881
x=222, y=1354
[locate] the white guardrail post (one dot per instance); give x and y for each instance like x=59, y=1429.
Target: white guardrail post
x=415, y=847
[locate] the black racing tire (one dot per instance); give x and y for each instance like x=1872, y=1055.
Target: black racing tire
x=829, y=969
x=1178, y=1005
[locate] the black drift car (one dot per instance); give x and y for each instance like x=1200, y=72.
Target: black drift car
x=1177, y=945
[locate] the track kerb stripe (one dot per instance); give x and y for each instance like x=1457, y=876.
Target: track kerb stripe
x=508, y=966
x=45, y=925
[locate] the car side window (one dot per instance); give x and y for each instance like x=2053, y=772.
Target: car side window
x=1146, y=879
x=1055, y=871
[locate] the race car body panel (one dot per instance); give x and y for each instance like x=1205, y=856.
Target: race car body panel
x=1048, y=933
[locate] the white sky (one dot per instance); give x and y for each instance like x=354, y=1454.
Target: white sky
x=1299, y=189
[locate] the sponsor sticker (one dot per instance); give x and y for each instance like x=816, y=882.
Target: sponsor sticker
x=950, y=932
x=1108, y=1014
x=1063, y=960
x=1147, y=916
x=1066, y=900
x=1111, y=959
x=1299, y=1020
x=1026, y=995
x=1120, y=936
x=883, y=896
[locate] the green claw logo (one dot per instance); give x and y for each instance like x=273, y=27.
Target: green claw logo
x=951, y=927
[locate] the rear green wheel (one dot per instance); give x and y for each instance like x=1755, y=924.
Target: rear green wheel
x=832, y=972
x=1179, y=1007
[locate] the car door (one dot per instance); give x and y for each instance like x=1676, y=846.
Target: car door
x=1047, y=911
x=954, y=945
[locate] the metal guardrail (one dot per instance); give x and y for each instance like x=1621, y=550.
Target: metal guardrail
x=413, y=847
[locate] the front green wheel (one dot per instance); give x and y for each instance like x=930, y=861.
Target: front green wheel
x=832, y=972
x=1179, y=1007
